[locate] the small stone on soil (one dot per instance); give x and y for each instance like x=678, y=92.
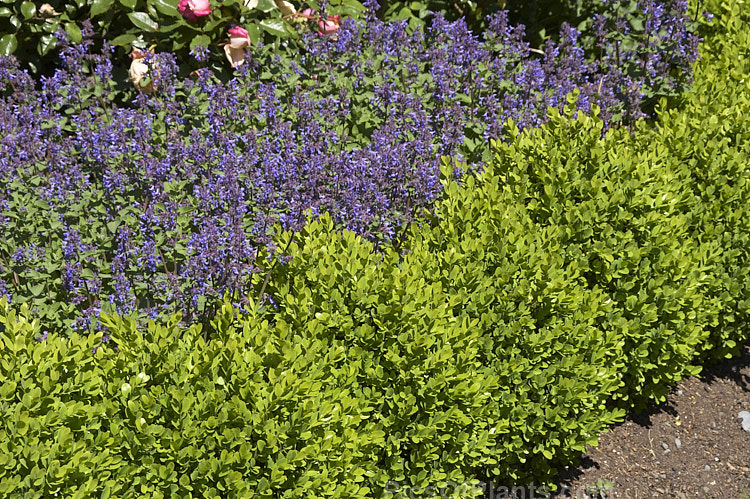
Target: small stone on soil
x=745, y=417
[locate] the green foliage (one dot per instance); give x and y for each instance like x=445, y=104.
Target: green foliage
x=364, y=372
x=655, y=220
x=362, y=375
x=542, y=18
x=623, y=211
x=55, y=427
x=540, y=322
x=257, y=410
x=417, y=362
x=28, y=30
x=711, y=137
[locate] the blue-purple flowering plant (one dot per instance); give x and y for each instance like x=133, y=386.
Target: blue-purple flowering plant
x=170, y=201
x=632, y=40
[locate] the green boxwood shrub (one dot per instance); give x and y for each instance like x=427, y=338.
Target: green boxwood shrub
x=310, y=400
x=252, y=412
x=711, y=138
x=624, y=211
x=419, y=364
x=541, y=324
x=648, y=232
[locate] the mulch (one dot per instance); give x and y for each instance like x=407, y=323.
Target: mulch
x=691, y=446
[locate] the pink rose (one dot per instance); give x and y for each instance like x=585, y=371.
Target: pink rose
x=193, y=9
x=239, y=37
x=239, y=40
x=330, y=26
x=308, y=13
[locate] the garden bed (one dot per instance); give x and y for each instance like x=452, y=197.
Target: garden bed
x=641, y=457
x=567, y=279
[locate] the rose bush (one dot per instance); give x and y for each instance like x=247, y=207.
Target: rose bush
x=33, y=32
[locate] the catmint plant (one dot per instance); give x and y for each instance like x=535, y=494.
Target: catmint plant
x=171, y=200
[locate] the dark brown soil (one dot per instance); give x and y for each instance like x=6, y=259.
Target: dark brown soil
x=641, y=458
x=691, y=446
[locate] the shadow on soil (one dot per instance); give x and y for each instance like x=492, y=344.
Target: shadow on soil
x=730, y=369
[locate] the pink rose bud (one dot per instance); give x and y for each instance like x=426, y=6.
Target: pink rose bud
x=330, y=26
x=239, y=38
x=308, y=12
x=193, y=9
